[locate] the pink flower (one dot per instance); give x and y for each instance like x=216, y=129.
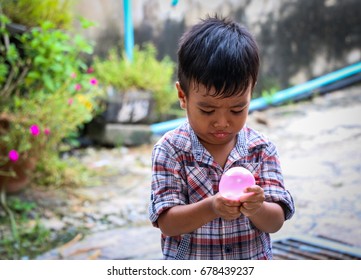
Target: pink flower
x=47, y=131
x=34, y=130
x=13, y=155
x=77, y=87
x=70, y=101
x=93, y=81
x=73, y=75
x=90, y=70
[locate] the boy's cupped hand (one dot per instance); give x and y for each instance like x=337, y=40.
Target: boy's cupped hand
x=226, y=208
x=231, y=209
x=251, y=205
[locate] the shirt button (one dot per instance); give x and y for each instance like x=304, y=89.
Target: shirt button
x=228, y=249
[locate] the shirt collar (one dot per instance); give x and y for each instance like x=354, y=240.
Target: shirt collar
x=200, y=153
x=242, y=142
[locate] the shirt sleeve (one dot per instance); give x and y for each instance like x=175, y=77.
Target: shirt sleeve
x=168, y=185
x=271, y=180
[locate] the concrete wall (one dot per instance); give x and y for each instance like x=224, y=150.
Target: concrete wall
x=298, y=39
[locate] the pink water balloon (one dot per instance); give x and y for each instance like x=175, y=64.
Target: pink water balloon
x=234, y=181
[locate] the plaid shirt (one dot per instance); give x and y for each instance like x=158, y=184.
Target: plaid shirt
x=184, y=172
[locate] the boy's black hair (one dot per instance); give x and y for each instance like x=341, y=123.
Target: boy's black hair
x=218, y=53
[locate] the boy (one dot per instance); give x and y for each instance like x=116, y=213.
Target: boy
x=218, y=67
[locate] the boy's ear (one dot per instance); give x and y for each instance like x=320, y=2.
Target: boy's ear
x=181, y=96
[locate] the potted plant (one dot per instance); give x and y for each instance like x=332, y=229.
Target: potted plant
x=31, y=133
x=46, y=93
x=139, y=91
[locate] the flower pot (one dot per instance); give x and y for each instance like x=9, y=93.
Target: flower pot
x=134, y=106
x=22, y=169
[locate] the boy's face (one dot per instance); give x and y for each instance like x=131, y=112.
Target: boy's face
x=216, y=121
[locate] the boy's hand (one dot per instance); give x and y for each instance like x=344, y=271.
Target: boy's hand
x=226, y=208
x=253, y=202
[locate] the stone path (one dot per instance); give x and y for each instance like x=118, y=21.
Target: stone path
x=319, y=144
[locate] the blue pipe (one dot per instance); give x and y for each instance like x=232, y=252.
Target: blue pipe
x=292, y=93
x=298, y=90
x=128, y=29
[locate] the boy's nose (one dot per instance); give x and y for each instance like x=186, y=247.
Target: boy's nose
x=221, y=122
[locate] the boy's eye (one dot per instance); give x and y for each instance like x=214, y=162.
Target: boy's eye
x=206, y=112
x=237, y=112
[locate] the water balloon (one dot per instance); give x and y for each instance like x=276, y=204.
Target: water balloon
x=234, y=181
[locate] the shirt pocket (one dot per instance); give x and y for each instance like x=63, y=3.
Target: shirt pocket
x=184, y=247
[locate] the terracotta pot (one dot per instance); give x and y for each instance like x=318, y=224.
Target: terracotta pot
x=23, y=170
x=23, y=167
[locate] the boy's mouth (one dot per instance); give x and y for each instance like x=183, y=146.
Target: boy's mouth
x=220, y=134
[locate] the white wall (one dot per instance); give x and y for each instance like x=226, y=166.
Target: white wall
x=299, y=39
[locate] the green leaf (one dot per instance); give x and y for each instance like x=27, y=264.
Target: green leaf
x=46, y=25
x=33, y=75
x=57, y=68
x=86, y=23
x=49, y=83
x=3, y=72
x=39, y=60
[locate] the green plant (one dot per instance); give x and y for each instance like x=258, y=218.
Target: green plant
x=37, y=11
x=268, y=95
x=47, y=93
x=144, y=72
x=35, y=127
x=44, y=61
x=48, y=48
x=31, y=236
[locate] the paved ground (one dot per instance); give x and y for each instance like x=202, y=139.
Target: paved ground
x=319, y=144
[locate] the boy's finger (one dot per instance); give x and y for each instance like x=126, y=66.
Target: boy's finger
x=255, y=189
